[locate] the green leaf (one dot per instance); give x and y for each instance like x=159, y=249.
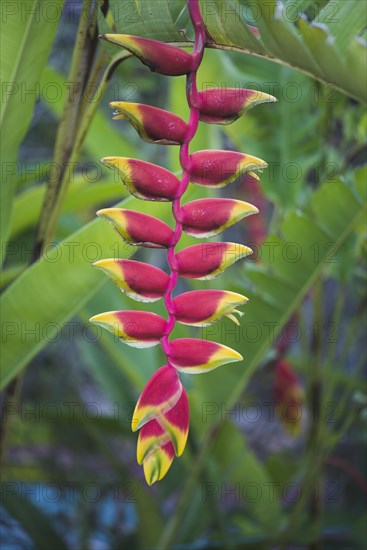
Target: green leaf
x=308, y=48
x=80, y=195
x=249, y=480
x=344, y=19
x=26, y=39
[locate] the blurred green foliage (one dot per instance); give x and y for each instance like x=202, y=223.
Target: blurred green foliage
x=69, y=474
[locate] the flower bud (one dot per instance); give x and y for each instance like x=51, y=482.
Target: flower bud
x=153, y=125
x=160, y=394
x=138, y=229
x=159, y=57
x=204, y=307
x=139, y=329
x=158, y=462
x=225, y=105
x=145, y=180
x=207, y=260
x=195, y=356
x=140, y=281
x=209, y=217
x=172, y=426
x=219, y=168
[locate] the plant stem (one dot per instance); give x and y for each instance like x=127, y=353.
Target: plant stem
x=315, y=397
x=67, y=131
x=185, y=162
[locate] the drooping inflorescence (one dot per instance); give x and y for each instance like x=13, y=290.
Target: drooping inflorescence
x=162, y=411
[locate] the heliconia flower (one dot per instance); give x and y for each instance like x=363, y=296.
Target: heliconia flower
x=205, y=307
x=289, y=396
x=153, y=125
x=225, y=105
x=139, y=329
x=158, y=56
x=215, y=168
x=207, y=260
x=143, y=179
x=209, y=217
x=138, y=229
x=140, y=281
x=162, y=411
x=159, y=396
x=195, y=356
x=171, y=426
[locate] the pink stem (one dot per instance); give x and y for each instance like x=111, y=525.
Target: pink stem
x=185, y=162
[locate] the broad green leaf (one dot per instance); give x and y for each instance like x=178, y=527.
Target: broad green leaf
x=280, y=37
x=26, y=40
x=309, y=51
x=344, y=19
x=80, y=195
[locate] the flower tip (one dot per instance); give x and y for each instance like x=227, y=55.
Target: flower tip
x=110, y=162
x=102, y=264
x=105, y=212
x=242, y=249
x=135, y=424
x=237, y=356
x=151, y=474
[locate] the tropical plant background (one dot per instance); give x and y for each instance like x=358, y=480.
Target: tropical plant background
x=253, y=475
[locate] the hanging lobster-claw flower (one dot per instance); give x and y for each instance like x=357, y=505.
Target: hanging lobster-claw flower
x=138, y=280
x=225, y=105
x=207, y=260
x=162, y=412
x=209, y=217
x=153, y=125
x=219, y=168
x=195, y=356
x=138, y=229
x=145, y=180
x=159, y=57
x=139, y=329
x=204, y=307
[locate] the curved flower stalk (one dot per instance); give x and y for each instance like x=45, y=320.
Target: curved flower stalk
x=162, y=411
